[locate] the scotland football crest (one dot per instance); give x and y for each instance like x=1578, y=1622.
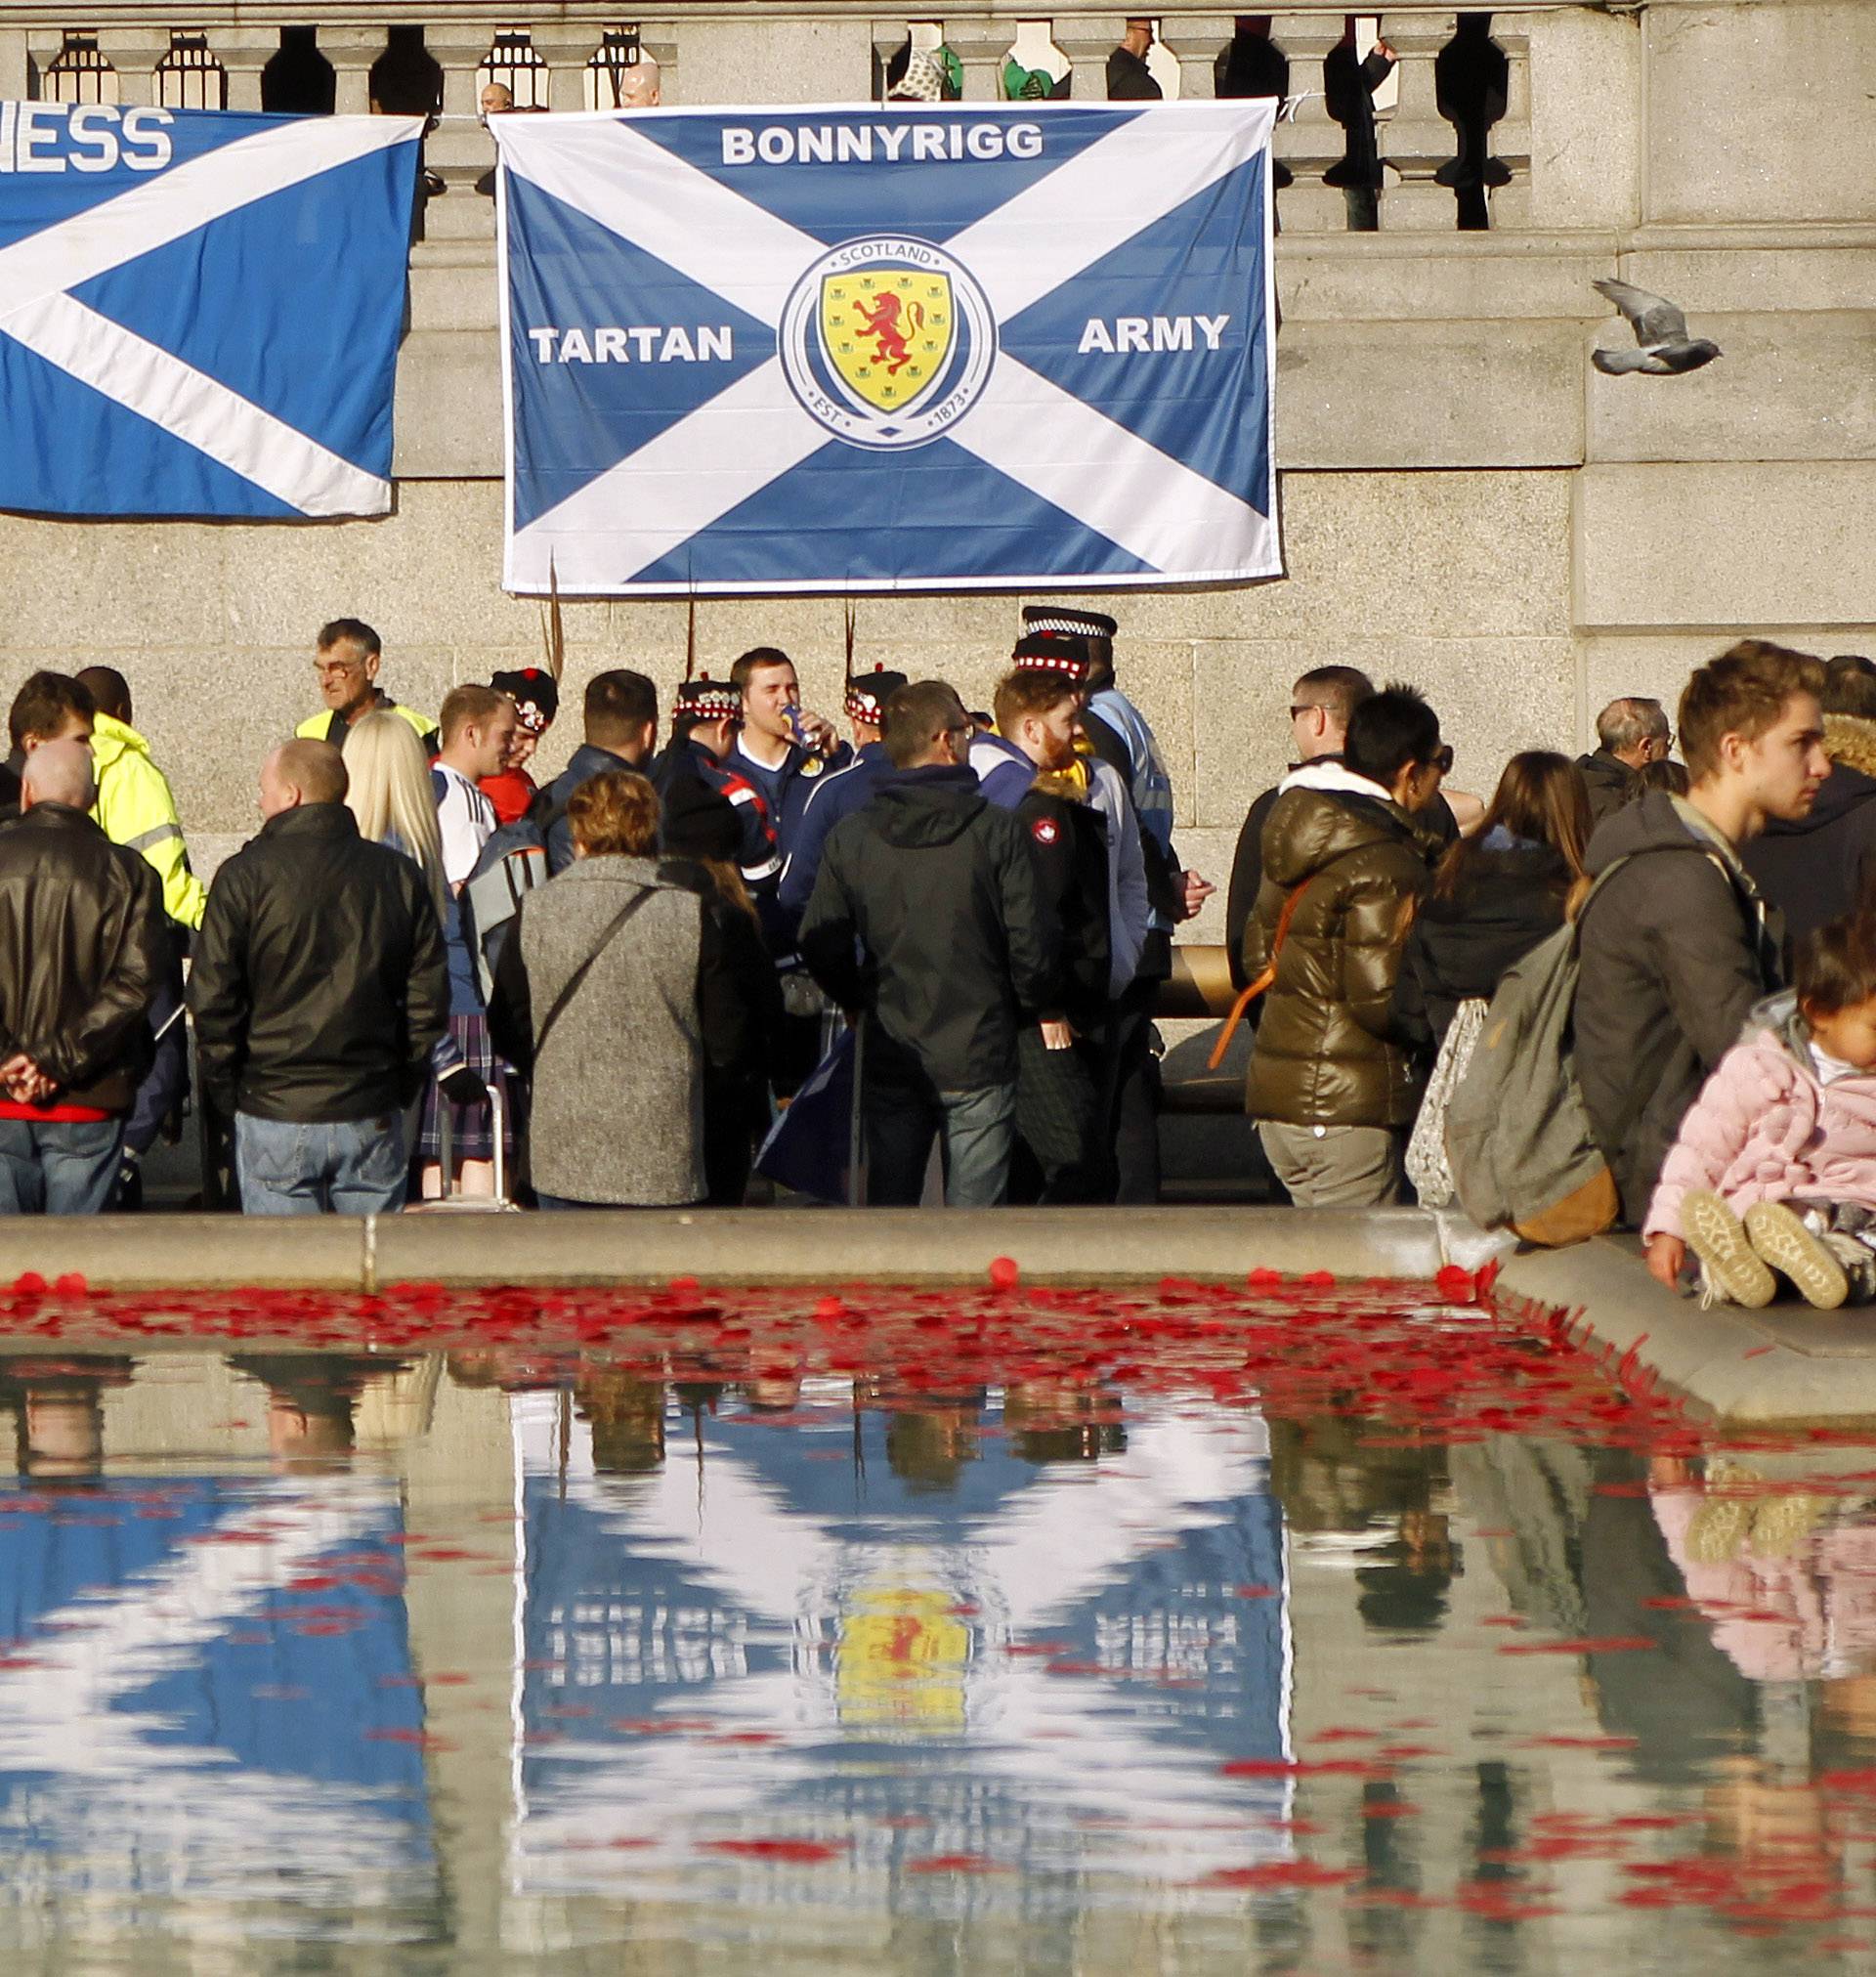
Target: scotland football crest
x=907, y=347
x=888, y=342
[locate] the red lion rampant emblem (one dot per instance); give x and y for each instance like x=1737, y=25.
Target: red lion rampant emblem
x=889, y=325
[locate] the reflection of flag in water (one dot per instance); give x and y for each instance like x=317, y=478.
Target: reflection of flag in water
x=899, y=1659
x=210, y=1683
x=779, y=1596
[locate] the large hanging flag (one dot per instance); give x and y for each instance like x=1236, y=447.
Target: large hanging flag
x=895, y=348
x=199, y=311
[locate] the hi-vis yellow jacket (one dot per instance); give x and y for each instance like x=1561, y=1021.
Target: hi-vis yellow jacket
x=328, y=726
x=135, y=809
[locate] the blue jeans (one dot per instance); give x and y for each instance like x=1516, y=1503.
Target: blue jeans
x=54, y=1169
x=342, y=1167
x=976, y=1130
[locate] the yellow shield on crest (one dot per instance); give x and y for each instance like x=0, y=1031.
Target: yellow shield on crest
x=887, y=332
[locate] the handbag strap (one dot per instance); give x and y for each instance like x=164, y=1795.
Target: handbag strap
x=1253, y=990
x=578, y=977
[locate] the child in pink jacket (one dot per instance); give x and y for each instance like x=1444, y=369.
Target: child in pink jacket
x=1776, y=1164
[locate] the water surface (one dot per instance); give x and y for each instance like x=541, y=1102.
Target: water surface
x=1284, y=1627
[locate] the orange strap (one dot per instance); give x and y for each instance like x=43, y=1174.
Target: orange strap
x=1255, y=989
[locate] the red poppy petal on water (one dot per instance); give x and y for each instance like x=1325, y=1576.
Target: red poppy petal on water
x=421, y=1739
x=29, y=1284
x=1587, y=1643
x=1255, y=1593
x=1281, y=1874
x=1265, y=1279
x=780, y=1849
x=1006, y=1273
x=957, y=1864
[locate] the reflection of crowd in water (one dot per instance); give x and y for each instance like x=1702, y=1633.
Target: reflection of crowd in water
x=58, y=1404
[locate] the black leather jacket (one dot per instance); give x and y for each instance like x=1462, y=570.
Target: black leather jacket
x=82, y=949
x=319, y=983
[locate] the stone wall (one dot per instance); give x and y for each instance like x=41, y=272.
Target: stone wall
x=1466, y=502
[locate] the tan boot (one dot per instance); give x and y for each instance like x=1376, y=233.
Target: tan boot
x=1718, y=1238
x=1782, y=1240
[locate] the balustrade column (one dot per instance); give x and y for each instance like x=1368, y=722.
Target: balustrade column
x=244, y=52
x=134, y=52
x=352, y=51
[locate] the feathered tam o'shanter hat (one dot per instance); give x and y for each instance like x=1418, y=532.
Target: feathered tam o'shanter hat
x=700, y=698
x=1062, y=651
x=868, y=693
x=536, y=697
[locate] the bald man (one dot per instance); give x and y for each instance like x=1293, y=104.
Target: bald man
x=317, y=989
x=82, y=951
x=640, y=86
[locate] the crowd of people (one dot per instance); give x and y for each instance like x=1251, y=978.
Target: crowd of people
x=426, y=974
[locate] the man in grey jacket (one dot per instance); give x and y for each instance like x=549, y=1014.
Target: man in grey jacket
x=1678, y=945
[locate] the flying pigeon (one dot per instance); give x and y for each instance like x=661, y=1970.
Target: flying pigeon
x=1660, y=329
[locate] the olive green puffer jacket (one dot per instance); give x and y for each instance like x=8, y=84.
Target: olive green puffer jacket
x=1323, y=1054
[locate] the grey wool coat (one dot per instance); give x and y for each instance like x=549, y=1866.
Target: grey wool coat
x=618, y=1109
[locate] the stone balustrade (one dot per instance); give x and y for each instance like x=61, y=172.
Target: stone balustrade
x=440, y=59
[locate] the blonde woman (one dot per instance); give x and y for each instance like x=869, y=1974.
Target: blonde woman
x=391, y=798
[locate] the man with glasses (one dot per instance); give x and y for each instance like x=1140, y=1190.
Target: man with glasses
x=1630, y=734
x=349, y=655
x=927, y=926
x=1320, y=704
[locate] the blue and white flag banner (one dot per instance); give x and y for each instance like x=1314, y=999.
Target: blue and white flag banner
x=907, y=346
x=200, y=310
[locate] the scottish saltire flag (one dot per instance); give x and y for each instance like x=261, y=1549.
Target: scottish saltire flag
x=199, y=311
x=910, y=346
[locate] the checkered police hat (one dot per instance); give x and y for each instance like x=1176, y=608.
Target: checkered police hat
x=1058, y=618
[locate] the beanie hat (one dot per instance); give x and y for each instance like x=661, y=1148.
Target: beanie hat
x=868, y=693
x=536, y=697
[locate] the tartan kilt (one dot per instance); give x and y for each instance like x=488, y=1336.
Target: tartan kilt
x=471, y=1127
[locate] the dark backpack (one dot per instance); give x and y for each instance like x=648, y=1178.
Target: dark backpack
x=513, y=862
